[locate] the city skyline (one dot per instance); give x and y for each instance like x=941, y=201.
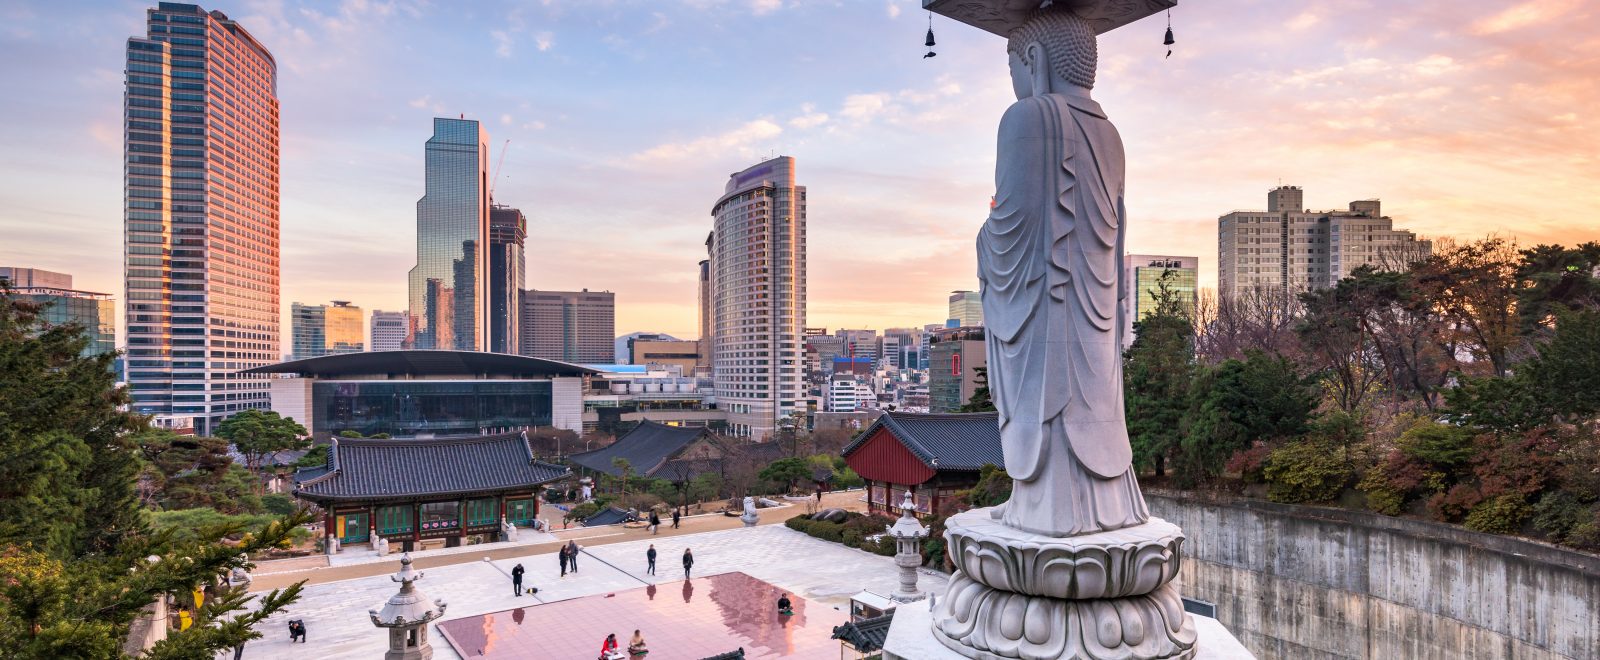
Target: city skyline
x=1457, y=115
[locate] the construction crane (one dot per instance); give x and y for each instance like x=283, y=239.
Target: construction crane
x=498, y=164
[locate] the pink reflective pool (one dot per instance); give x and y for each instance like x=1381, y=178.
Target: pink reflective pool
x=684, y=620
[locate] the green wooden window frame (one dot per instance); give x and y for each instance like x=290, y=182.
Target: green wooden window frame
x=483, y=511
x=355, y=527
x=395, y=519
x=519, y=512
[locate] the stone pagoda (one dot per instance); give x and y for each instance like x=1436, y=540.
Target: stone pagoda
x=407, y=615
x=908, y=535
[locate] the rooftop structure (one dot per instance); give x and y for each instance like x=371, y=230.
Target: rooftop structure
x=428, y=393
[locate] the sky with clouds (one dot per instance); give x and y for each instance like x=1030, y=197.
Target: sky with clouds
x=1465, y=117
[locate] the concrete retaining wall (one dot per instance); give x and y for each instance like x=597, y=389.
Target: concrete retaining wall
x=1310, y=582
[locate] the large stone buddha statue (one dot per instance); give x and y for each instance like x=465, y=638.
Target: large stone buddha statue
x=1050, y=263
x=1072, y=566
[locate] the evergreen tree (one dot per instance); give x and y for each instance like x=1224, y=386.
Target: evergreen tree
x=67, y=467
x=1236, y=404
x=980, y=401
x=1157, y=370
x=75, y=553
x=261, y=434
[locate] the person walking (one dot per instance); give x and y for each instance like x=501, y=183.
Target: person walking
x=655, y=522
x=688, y=562
x=562, y=553
x=516, y=580
x=675, y=516
x=650, y=556
x=572, y=554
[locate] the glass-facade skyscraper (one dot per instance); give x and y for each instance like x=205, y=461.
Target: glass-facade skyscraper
x=201, y=217
x=508, y=228
x=95, y=312
x=317, y=330
x=448, y=288
x=758, y=290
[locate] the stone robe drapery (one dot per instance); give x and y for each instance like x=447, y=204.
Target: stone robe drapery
x=1050, y=267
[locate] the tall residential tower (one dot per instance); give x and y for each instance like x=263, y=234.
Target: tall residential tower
x=758, y=291
x=201, y=217
x=448, y=287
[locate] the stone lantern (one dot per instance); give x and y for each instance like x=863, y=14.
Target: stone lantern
x=407, y=615
x=908, y=535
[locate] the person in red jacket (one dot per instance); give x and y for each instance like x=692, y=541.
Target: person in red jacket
x=609, y=647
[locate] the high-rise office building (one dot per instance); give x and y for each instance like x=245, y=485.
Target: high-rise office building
x=570, y=326
x=954, y=357
x=1144, y=273
x=1288, y=248
x=388, y=330
x=966, y=309
x=318, y=330
x=703, y=309
x=94, y=312
x=508, y=227
x=449, y=298
x=201, y=217
x=758, y=290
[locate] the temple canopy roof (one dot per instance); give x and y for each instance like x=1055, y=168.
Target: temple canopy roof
x=866, y=635
x=647, y=448
x=370, y=469
x=952, y=441
x=425, y=363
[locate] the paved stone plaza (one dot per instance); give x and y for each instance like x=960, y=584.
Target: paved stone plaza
x=826, y=574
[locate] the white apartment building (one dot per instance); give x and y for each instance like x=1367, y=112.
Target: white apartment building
x=1290, y=248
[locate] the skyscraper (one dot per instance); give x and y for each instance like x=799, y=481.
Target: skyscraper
x=388, y=330
x=448, y=286
x=758, y=285
x=1143, y=273
x=201, y=217
x=508, y=227
x=1288, y=248
x=703, y=309
x=966, y=308
x=317, y=330
x=570, y=326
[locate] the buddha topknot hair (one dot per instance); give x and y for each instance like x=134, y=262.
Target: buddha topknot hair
x=1068, y=41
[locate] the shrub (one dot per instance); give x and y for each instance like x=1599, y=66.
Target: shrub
x=1557, y=513
x=278, y=504
x=1250, y=464
x=1503, y=514
x=1440, y=445
x=1452, y=505
x=582, y=511
x=1306, y=472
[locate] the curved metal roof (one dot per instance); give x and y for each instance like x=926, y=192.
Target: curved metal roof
x=424, y=363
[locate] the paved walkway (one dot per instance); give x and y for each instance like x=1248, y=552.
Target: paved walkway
x=281, y=573
x=824, y=573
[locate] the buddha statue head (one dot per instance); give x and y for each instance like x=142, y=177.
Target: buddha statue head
x=1054, y=52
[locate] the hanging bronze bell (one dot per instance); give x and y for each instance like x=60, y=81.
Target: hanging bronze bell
x=1168, y=42
x=930, y=37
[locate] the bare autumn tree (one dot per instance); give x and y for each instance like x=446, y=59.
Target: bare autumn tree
x=1230, y=325
x=1477, y=294
x=1336, y=334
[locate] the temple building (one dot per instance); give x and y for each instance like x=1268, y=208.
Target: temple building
x=933, y=455
x=674, y=453
x=417, y=492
